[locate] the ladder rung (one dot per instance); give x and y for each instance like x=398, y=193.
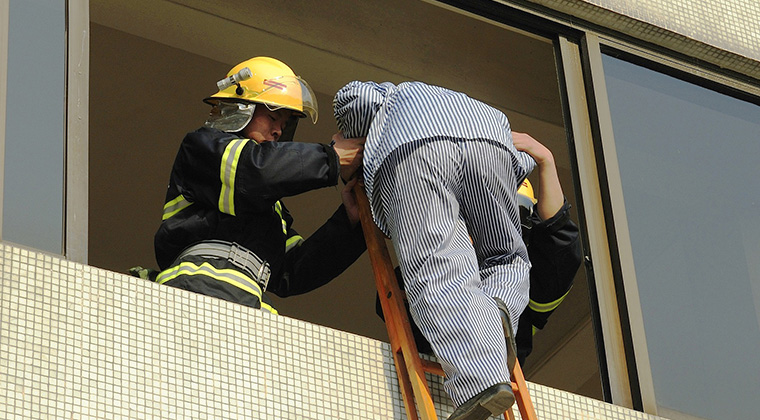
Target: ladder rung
x=432, y=367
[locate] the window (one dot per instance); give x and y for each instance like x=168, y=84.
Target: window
x=34, y=131
x=691, y=185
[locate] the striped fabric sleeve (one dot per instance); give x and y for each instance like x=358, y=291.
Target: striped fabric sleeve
x=526, y=163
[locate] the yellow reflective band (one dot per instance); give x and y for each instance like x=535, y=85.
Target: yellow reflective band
x=175, y=206
x=546, y=307
x=227, y=172
x=278, y=209
x=292, y=242
x=226, y=275
x=535, y=330
x=269, y=308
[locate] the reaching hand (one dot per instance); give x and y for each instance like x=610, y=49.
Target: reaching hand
x=525, y=143
x=349, y=154
x=550, y=196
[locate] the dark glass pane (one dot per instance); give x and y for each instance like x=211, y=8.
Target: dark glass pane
x=691, y=183
x=34, y=131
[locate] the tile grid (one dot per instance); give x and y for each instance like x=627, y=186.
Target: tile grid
x=726, y=34
x=77, y=342
x=732, y=25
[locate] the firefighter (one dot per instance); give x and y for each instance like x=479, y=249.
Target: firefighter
x=552, y=240
x=225, y=230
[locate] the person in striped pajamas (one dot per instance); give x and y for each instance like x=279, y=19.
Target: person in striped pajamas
x=434, y=158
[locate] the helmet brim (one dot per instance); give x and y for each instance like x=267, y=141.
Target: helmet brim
x=288, y=92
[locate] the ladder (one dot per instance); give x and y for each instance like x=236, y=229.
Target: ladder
x=410, y=367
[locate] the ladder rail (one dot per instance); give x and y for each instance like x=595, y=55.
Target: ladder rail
x=410, y=372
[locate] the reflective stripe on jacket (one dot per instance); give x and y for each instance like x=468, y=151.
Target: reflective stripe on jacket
x=201, y=276
x=227, y=188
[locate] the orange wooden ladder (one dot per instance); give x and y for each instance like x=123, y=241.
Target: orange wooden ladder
x=409, y=366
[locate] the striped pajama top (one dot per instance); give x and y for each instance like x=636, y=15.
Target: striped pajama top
x=391, y=115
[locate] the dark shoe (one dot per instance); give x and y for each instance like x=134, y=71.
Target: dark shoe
x=494, y=400
x=508, y=334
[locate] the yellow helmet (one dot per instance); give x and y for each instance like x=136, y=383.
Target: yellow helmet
x=268, y=81
x=526, y=189
x=526, y=199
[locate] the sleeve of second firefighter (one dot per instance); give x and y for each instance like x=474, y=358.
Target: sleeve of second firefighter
x=324, y=255
x=555, y=253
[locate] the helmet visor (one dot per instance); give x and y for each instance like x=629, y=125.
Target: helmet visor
x=289, y=92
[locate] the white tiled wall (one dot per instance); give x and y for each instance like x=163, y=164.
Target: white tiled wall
x=731, y=25
x=77, y=342
x=723, y=33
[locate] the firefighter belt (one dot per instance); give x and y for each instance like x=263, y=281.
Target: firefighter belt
x=246, y=261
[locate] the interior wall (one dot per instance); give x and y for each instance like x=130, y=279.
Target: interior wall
x=143, y=98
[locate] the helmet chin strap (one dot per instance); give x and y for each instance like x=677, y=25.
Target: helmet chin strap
x=290, y=130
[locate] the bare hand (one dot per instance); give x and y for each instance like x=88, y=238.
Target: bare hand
x=349, y=154
x=550, y=196
x=349, y=201
x=525, y=143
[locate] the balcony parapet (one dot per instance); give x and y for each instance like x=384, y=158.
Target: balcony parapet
x=79, y=342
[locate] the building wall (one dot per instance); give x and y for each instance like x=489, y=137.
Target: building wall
x=730, y=25
x=81, y=342
x=725, y=34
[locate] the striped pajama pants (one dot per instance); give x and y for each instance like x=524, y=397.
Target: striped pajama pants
x=452, y=270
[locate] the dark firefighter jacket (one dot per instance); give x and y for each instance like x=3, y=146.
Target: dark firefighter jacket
x=555, y=254
x=227, y=188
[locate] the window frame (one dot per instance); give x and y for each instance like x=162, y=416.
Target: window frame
x=76, y=147
x=4, y=28
x=76, y=92
x=626, y=285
